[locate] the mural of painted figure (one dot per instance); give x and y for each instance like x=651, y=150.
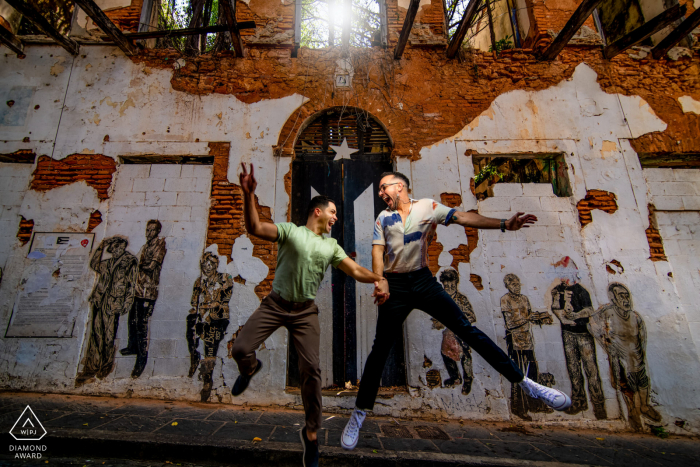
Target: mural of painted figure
x=208, y=318
x=150, y=264
x=621, y=332
x=453, y=349
x=518, y=316
x=112, y=296
x=571, y=303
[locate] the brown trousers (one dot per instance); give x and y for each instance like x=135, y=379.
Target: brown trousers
x=304, y=329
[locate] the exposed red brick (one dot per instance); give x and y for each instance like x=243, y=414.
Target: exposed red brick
x=24, y=234
x=95, y=169
x=656, y=244
x=226, y=221
x=95, y=220
x=595, y=199
x=476, y=280
x=451, y=200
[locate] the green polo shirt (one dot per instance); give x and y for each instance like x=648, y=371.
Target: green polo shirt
x=302, y=259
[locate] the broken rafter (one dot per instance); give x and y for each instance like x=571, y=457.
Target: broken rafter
x=186, y=31
x=464, y=25
x=579, y=17
x=229, y=10
x=107, y=26
x=11, y=41
x=683, y=29
x=406, y=30
x=29, y=12
x=656, y=24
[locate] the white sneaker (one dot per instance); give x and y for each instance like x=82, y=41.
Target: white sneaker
x=351, y=432
x=552, y=397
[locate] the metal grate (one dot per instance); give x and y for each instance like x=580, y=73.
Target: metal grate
x=431, y=432
x=362, y=131
x=395, y=431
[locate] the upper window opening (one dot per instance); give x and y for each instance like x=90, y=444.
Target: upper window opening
x=181, y=14
x=57, y=12
x=546, y=168
x=328, y=23
x=496, y=24
x=366, y=137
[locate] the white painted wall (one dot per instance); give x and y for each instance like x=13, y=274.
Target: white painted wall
x=106, y=94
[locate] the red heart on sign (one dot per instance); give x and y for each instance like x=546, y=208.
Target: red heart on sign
x=84, y=242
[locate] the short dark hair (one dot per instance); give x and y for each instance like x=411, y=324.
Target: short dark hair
x=398, y=175
x=319, y=201
x=155, y=222
x=449, y=275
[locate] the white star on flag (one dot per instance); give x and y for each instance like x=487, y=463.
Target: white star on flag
x=343, y=151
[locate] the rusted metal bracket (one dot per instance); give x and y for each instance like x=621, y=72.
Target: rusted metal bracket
x=579, y=17
x=656, y=24
x=406, y=30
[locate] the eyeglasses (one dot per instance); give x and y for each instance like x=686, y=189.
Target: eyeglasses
x=383, y=187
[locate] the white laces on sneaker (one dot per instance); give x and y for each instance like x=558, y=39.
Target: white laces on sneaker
x=356, y=420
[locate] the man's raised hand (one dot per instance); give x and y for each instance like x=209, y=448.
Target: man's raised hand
x=247, y=180
x=520, y=220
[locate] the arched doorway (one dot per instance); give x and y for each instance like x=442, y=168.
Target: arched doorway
x=347, y=311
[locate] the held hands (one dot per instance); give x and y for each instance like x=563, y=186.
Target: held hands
x=247, y=180
x=520, y=220
x=381, y=291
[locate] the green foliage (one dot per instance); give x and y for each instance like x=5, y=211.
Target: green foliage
x=177, y=14
x=659, y=431
x=487, y=172
x=503, y=44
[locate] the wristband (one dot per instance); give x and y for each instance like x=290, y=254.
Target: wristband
x=503, y=225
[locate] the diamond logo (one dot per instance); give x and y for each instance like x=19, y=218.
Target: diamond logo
x=28, y=427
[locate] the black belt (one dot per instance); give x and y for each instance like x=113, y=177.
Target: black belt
x=290, y=305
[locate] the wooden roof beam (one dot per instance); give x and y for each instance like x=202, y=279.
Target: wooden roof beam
x=683, y=29
x=653, y=26
x=11, y=41
x=28, y=11
x=186, y=31
x=406, y=29
x=229, y=7
x=107, y=26
x=464, y=25
x=579, y=17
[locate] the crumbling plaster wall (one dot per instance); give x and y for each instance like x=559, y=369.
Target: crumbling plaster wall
x=592, y=130
x=116, y=107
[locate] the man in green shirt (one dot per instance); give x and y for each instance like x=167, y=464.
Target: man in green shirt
x=303, y=256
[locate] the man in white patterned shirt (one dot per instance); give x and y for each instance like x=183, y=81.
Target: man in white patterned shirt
x=402, y=234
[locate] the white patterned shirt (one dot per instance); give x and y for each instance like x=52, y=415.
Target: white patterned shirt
x=406, y=246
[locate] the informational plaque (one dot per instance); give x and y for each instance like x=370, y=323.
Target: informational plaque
x=53, y=285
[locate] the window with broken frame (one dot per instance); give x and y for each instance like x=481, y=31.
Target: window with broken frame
x=539, y=168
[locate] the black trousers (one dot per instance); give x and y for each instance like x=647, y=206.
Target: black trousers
x=420, y=290
x=139, y=316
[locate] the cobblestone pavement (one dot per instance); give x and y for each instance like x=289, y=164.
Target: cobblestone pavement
x=139, y=433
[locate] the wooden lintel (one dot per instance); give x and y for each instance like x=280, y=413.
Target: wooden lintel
x=107, y=26
x=683, y=29
x=11, y=41
x=656, y=24
x=406, y=29
x=464, y=25
x=30, y=13
x=579, y=17
x=229, y=10
x=187, y=31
